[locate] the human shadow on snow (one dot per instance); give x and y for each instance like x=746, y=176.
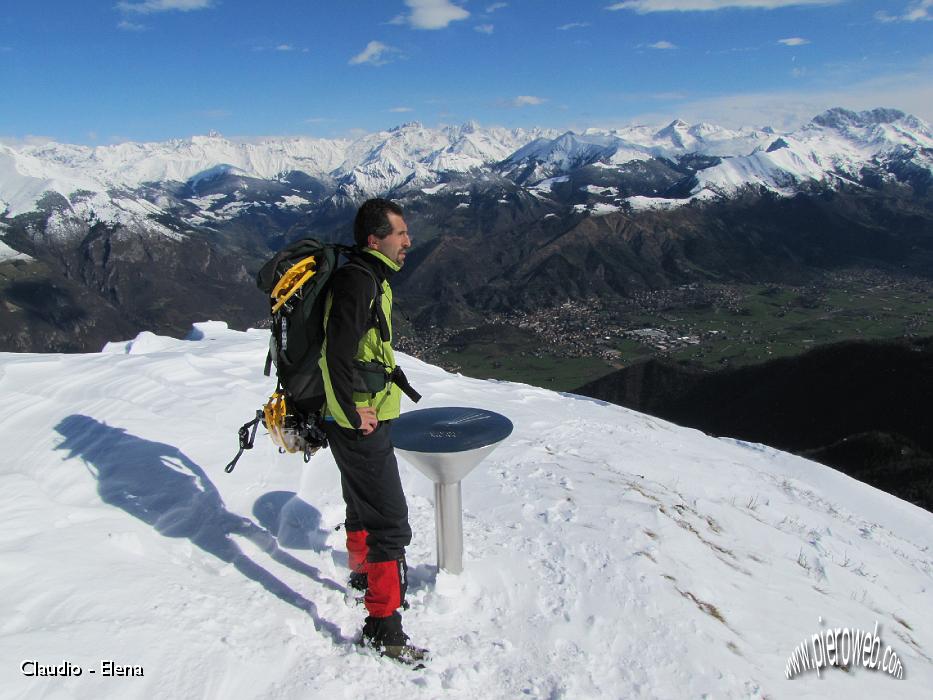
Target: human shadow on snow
x=295, y=523
x=161, y=486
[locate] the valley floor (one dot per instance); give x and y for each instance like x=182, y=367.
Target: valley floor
x=711, y=325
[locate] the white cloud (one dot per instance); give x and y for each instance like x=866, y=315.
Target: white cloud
x=485, y=28
x=664, y=45
x=28, y=140
x=375, y=53
x=284, y=48
x=573, y=25
x=645, y=6
x=793, y=41
x=496, y=6
x=401, y=109
x=788, y=109
x=526, y=101
x=131, y=26
x=433, y=14
x=148, y=6
x=917, y=11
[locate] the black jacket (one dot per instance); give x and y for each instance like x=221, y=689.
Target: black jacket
x=352, y=314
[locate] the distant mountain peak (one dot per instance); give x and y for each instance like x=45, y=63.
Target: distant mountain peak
x=672, y=128
x=674, y=133
x=777, y=145
x=407, y=126
x=840, y=118
x=211, y=137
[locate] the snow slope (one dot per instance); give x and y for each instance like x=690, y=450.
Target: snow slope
x=607, y=554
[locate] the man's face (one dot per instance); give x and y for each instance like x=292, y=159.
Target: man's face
x=396, y=244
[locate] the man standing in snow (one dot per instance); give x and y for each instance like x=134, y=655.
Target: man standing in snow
x=363, y=387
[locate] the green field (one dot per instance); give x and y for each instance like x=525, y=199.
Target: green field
x=780, y=323
x=547, y=370
x=757, y=323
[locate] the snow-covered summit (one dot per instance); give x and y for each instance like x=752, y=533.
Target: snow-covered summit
x=877, y=131
x=106, y=182
x=571, y=150
x=841, y=119
x=675, y=132
x=370, y=164
x=618, y=147
x=607, y=553
x=834, y=147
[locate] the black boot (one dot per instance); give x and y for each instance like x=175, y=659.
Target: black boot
x=385, y=635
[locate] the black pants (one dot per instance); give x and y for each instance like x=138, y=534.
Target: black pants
x=372, y=489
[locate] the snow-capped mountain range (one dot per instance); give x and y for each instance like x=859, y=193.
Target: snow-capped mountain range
x=80, y=226
x=371, y=164
x=133, y=183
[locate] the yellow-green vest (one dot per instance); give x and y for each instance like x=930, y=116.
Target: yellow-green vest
x=388, y=401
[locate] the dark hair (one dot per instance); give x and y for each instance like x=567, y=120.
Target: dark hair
x=372, y=219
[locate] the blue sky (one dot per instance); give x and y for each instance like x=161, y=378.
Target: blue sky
x=101, y=72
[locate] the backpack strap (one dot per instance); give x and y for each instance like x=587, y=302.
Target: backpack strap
x=379, y=319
